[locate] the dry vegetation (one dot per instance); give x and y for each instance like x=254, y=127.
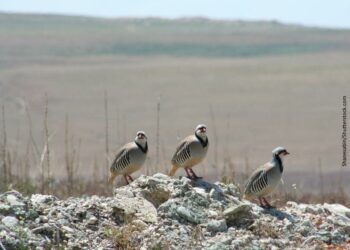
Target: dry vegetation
x=256, y=85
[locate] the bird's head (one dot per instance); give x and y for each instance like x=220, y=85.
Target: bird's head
x=141, y=138
x=201, y=130
x=280, y=151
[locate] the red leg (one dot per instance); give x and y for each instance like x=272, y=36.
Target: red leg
x=194, y=174
x=268, y=205
x=188, y=174
x=126, y=179
x=261, y=203
x=130, y=178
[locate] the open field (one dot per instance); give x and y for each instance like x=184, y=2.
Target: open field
x=256, y=85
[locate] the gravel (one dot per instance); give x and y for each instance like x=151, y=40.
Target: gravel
x=158, y=212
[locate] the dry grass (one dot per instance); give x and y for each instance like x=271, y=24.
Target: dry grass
x=316, y=188
x=123, y=237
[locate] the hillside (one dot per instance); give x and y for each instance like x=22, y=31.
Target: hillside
x=25, y=35
x=162, y=213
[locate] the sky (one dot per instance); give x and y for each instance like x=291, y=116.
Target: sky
x=326, y=13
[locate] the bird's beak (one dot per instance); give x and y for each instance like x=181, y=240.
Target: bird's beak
x=286, y=153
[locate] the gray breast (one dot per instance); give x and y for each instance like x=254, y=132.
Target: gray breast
x=137, y=157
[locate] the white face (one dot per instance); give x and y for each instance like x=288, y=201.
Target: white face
x=280, y=151
x=141, y=137
x=201, y=130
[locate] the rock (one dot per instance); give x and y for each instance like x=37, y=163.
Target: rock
x=305, y=228
x=126, y=209
x=216, y=194
x=338, y=209
x=217, y=226
x=40, y=199
x=5, y=209
x=161, y=176
x=92, y=220
x=188, y=215
x=239, y=215
x=67, y=229
x=13, y=200
x=313, y=209
x=324, y=236
x=159, y=212
x=10, y=221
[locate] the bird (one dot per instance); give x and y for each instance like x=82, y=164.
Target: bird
x=191, y=151
x=265, y=179
x=130, y=158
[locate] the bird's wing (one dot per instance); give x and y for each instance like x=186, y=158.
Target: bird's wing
x=121, y=159
x=258, y=174
x=182, y=146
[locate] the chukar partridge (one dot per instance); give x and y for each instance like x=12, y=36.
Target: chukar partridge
x=190, y=152
x=130, y=158
x=266, y=178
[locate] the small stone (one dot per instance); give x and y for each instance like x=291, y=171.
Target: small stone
x=324, y=236
x=39, y=199
x=63, y=221
x=161, y=176
x=338, y=209
x=234, y=212
x=187, y=215
x=217, y=226
x=5, y=209
x=312, y=210
x=305, y=228
x=92, y=220
x=140, y=224
x=13, y=200
x=43, y=219
x=212, y=214
x=67, y=229
x=10, y=221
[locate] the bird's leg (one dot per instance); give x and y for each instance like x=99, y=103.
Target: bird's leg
x=268, y=205
x=126, y=179
x=194, y=175
x=130, y=178
x=188, y=174
x=261, y=203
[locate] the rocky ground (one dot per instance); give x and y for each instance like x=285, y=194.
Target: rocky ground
x=158, y=212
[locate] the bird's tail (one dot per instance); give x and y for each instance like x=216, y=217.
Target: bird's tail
x=173, y=170
x=112, y=177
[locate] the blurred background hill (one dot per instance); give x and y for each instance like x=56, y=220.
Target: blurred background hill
x=256, y=84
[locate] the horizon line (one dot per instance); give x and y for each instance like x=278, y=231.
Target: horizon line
x=208, y=18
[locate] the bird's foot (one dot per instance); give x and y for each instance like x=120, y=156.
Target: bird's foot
x=130, y=179
x=194, y=176
x=189, y=173
x=197, y=177
x=267, y=204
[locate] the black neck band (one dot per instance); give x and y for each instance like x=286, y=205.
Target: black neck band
x=203, y=143
x=143, y=149
x=279, y=162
